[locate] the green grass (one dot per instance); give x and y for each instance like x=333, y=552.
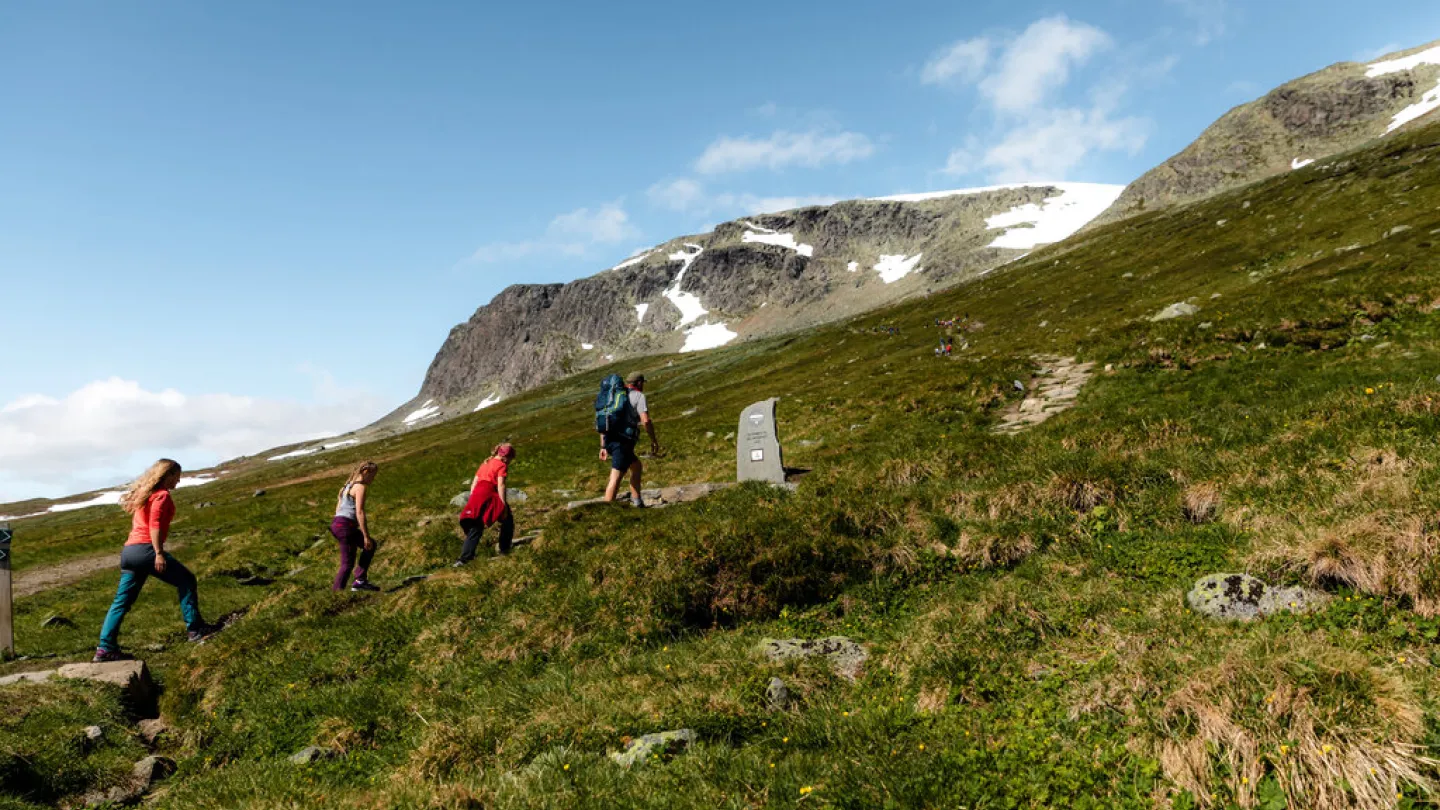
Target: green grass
x=1022, y=596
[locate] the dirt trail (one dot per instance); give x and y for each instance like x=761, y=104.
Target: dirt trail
x=1053, y=390
x=35, y=580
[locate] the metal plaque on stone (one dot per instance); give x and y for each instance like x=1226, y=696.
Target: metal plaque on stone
x=757, y=450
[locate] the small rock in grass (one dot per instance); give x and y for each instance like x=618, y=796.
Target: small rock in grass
x=1241, y=597
x=660, y=744
x=1181, y=309
x=92, y=738
x=57, y=620
x=258, y=493
x=311, y=754
x=777, y=695
x=423, y=522
x=152, y=730
x=152, y=769
x=846, y=657
x=515, y=496
x=460, y=500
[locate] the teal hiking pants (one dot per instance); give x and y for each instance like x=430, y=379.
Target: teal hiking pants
x=137, y=564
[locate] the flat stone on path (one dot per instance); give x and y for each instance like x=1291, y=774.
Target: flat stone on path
x=665, y=496
x=846, y=657
x=1053, y=390
x=661, y=744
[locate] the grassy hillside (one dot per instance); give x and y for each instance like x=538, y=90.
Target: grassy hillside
x=1021, y=596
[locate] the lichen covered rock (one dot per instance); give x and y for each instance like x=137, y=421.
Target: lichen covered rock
x=660, y=744
x=1241, y=597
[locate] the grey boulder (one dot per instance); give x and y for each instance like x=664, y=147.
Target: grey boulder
x=846, y=657
x=311, y=754
x=660, y=744
x=1241, y=597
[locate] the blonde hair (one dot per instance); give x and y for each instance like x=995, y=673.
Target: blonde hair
x=358, y=474
x=140, y=491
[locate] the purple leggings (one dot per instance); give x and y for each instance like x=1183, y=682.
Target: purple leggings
x=351, y=540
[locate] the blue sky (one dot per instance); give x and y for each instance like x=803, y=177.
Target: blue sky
x=229, y=225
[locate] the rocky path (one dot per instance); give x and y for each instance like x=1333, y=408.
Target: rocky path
x=1052, y=390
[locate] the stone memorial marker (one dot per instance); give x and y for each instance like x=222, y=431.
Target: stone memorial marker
x=757, y=450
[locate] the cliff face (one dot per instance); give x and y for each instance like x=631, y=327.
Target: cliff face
x=1333, y=110
x=756, y=276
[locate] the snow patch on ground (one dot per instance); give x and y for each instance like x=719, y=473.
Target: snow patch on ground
x=587, y=346
x=785, y=240
x=707, y=336
x=1054, y=220
x=487, y=402
x=305, y=451
x=761, y=228
x=688, y=303
x=893, y=268
x=640, y=310
x=426, y=411
x=103, y=499
x=1300, y=163
x=852, y=266
x=1428, y=103
x=633, y=260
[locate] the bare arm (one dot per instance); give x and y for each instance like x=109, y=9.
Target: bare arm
x=357, y=491
x=650, y=429
x=500, y=489
x=159, y=531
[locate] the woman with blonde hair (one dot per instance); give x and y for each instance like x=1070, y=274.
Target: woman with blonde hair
x=148, y=501
x=486, y=505
x=352, y=530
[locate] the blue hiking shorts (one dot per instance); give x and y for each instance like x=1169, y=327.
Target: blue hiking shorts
x=622, y=453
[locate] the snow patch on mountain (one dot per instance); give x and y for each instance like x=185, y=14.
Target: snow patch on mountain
x=1300, y=163
x=487, y=402
x=707, y=336
x=852, y=266
x=1029, y=226
x=640, y=310
x=1428, y=103
x=785, y=240
x=895, y=267
x=633, y=260
x=427, y=411
x=688, y=303
x=304, y=451
x=587, y=346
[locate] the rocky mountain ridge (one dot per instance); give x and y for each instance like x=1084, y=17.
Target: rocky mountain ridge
x=1311, y=118
x=755, y=276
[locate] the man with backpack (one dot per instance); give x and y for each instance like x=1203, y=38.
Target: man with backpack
x=620, y=412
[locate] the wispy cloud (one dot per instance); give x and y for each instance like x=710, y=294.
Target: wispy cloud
x=571, y=234
x=1021, y=80
x=1210, y=18
x=783, y=149
x=1038, y=63
x=1374, y=54
x=690, y=196
x=961, y=62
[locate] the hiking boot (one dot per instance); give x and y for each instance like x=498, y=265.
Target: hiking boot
x=459, y=563
x=104, y=656
x=203, y=632
x=364, y=586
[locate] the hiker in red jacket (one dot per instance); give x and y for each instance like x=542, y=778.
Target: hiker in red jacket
x=487, y=505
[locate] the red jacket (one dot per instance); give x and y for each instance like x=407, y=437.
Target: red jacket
x=484, y=503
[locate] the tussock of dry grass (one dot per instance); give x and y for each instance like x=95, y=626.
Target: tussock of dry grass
x=1333, y=730
x=1201, y=502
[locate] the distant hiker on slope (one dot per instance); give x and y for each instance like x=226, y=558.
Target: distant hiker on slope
x=143, y=556
x=353, y=531
x=487, y=505
x=620, y=410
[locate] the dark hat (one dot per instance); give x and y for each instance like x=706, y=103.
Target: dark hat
x=635, y=379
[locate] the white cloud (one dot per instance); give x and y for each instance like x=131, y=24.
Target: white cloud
x=569, y=234
x=1039, y=61
x=963, y=61
x=1210, y=17
x=1048, y=147
x=677, y=195
x=691, y=196
x=783, y=149
x=106, y=432
x=1375, y=53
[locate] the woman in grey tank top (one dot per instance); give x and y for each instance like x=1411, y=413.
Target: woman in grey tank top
x=352, y=531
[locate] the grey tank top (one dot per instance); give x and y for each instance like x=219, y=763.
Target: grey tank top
x=347, y=504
